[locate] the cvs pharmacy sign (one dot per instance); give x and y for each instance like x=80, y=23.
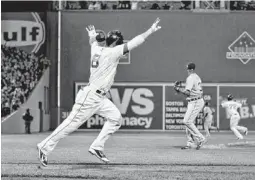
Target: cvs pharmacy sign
x=140, y=106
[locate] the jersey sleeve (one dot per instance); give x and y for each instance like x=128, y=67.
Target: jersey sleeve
x=239, y=105
x=118, y=51
x=223, y=104
x=189, y=83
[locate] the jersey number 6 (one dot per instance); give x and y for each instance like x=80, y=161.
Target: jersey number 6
x=94, y=62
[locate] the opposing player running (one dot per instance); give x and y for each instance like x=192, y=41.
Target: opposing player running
x=232, y=107
x=208, y=120
x=194, y=93
x=91, y=99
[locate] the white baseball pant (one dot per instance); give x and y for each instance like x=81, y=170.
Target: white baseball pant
x=208, y=125
x=193, y=109
x=234, y=120
x=87, y=103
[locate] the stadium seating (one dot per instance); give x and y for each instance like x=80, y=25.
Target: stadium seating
x=157, y=5
x=20, y=73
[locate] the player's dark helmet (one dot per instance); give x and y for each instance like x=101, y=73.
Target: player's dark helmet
x=230, y=97
x=191, y=66
x=101, y=36
x=114, y=37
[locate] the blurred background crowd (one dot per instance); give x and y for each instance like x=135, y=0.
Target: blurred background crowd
x=156, y=5
x=20, y=73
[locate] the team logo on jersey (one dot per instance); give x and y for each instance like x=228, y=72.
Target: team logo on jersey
x=243, y=48
x=28, y=32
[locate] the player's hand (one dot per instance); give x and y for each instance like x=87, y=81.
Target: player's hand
x=91, y=31
x=155, y=27
x=177, y=86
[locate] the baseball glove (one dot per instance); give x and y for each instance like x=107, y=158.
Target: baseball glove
x=177, y=86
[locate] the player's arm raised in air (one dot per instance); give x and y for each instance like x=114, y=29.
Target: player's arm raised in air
x=138, y=40
x=224, y=104
x=92, y=34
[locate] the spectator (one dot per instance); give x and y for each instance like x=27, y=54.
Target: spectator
x=28, y=118
x=73, y=5
x=134, y=5
x=185, y=5
x=104, y=5
x=166, y=6
x=95, y=5
x=84, y=4
x=155, y=6
x=124, y=5
x=16, y=105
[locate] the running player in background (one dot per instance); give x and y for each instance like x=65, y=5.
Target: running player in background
x=208, y=120
x=232, y=107
x=194, y=93
x=92, y=99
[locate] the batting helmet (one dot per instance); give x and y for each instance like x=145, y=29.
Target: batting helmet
x=100, y=36
x=191, y=66
x=230, y=97
x=114, y=37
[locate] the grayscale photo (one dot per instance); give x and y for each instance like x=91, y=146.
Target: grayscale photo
x=128, y=90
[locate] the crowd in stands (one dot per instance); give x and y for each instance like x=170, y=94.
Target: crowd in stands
x=155, y=5
x=247, y=5
x=20, y=73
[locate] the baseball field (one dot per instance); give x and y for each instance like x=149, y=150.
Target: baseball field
x=153, y=155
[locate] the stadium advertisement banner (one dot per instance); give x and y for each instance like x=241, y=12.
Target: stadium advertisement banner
x=24, y=30
x=176, y=106
x=245, y=95
x=140, y=106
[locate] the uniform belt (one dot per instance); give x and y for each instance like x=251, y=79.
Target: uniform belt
x=97, y=90
x=194, y=99
x=100, y=92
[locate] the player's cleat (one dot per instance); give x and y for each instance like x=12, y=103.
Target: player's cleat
x=246, y=132
x=186, y=147
x=99, y=154
x=42, y=157
x=200, y=144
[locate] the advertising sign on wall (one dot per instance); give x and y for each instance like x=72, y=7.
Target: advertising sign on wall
x=175, y=107
x=244, y=95
x=24, y=30
x=146, y=106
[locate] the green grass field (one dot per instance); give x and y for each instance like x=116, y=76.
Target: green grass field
x=142, y=155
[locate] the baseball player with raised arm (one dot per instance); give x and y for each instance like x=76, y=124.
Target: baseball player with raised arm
x=232, y=107
x=208, y=120
x=91, y=99
x=194, y=93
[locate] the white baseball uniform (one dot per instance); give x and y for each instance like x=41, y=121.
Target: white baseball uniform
x=195, y=105
x=208, y=120
x=91, y=100
x=232, y=107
